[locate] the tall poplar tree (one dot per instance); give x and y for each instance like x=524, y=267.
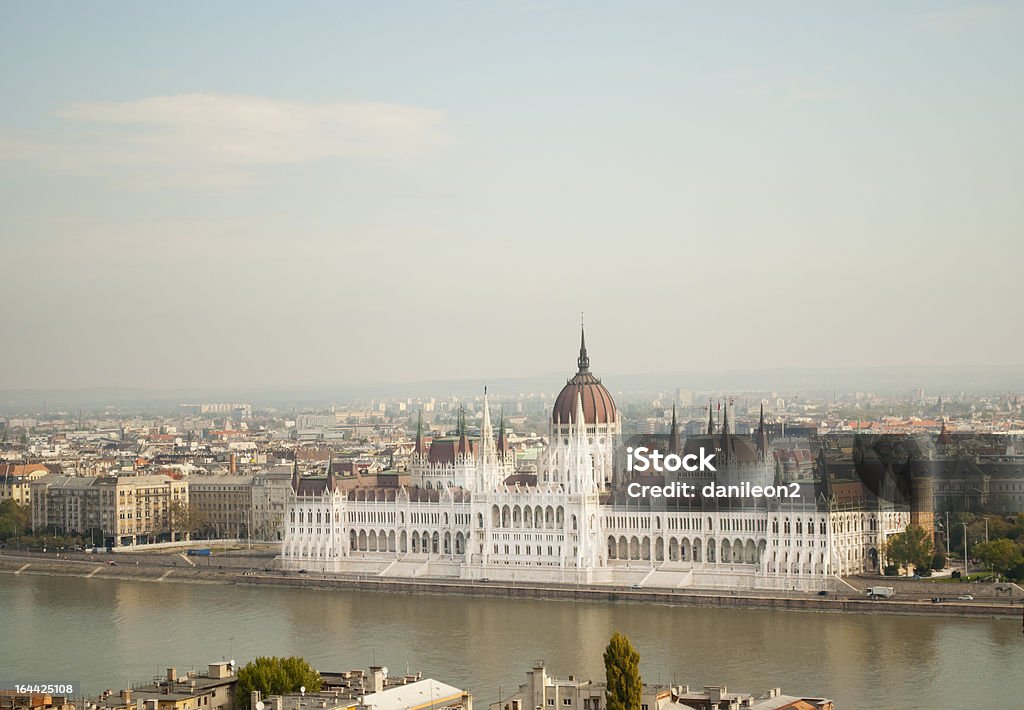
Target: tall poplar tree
x=622, y=673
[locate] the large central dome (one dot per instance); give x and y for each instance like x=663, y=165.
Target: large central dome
x=598, y=405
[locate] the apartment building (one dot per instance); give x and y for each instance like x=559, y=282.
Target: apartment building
x=122, y=510
x=213, y=690
x=222, y=505
x=271, y=494
x=16, y=481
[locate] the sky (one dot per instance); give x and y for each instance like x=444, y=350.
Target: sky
x=295, y=194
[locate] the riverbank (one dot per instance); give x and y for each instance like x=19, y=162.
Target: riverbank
x=240, y=573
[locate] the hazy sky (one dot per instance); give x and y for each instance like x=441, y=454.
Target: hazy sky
x=198, y=194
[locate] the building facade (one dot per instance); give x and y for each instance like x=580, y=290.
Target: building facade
x=222, y=505
x=115, y=510
x=464, y=516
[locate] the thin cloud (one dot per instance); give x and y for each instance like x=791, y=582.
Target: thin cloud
x=965, y=17
x=211, y=140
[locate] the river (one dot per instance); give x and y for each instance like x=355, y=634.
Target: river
x=106, y=633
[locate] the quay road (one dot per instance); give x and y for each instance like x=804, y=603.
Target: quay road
x=257, y=567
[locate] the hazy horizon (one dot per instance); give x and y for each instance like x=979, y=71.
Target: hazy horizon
x=211, y=196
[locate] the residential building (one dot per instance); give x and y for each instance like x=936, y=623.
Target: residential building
x=544, y=692
x=16, y=481
x=213, y=690
x=271, y=496
x=117, y=510
x=222, y=504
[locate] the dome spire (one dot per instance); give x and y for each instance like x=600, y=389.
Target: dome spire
x=583, y=362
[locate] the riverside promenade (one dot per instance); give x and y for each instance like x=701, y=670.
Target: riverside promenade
x=258, y=568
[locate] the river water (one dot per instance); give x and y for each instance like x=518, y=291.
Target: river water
x=108, y=633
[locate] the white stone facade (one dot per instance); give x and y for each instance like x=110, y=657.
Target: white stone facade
x=461, y=521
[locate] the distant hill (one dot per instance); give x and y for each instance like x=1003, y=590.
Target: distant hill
x=787, y=382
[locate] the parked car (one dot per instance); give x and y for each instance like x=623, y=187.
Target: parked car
x=966, y=597
x=822, y=593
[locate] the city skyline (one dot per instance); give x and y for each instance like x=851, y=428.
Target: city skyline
x=353, y=194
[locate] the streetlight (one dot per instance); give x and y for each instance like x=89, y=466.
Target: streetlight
x=965, y=548
x=946, y=530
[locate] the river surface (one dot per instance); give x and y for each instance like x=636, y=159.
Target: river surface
x=107, y=633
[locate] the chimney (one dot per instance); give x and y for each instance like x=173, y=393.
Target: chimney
x=254, y=698
x=172, y=674
x=126, y=695
x=234, y=464
x=377, y=675
x=218, y=670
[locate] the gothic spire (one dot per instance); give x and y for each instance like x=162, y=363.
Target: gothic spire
x=673, y=435
x=725, y=442
x=762, y=435
x=502, y=440
x=584, y=361
x=711, y=419
x=825, y=484
x=486, y=432
x=463, y=449
x=419, y=434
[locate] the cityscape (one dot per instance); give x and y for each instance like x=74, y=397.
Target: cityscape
x=511, y=355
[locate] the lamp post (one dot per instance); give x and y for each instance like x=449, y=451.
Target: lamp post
x=947, y=534
x=965, y=549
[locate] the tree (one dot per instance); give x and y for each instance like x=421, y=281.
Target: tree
x=622, y=672
x=1001, y=555
x=14, y=519
x=275, y=676
x=185, y=519
x=939, y=560
x=913, y=546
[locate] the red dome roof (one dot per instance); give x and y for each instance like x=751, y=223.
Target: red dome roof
x=598, y=405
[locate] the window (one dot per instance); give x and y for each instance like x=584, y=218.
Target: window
x=551, y=701
x=566, y=701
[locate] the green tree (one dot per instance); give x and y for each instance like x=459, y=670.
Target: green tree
x=913, y=546
x=275, y=676
x=14, y=519
x=185, y=520
x=1001, y=555
x=622, y=672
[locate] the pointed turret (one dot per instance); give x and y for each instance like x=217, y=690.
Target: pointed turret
x=673, y=435
x=464, y=449
x=711, y=419
x=581, y=423
x=824, y=478
x=762, y=435
x=583, y=362
x=486, y=433
x=295, y=472
x=332, y=483
x=420, y=449
x=725, y=442
x=503, y=447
